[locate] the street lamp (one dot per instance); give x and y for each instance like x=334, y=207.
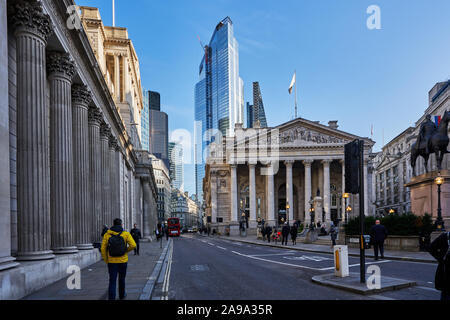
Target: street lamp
x=439, y=222
x=346, y=196
x=348, y=210
x=311, y=212
x=287, y=211
x=392, y=211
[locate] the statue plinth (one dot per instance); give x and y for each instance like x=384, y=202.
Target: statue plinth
x=424, y=195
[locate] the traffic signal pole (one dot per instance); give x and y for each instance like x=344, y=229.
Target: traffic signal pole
x=362, y=257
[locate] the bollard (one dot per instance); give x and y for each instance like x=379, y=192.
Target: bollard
x=341, y=261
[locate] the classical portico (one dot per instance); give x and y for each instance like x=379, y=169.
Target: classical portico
x=302, y=167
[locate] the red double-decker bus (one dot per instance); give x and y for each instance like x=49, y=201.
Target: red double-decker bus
x=174, y=227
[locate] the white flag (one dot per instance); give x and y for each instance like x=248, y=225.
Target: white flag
x=292, y=83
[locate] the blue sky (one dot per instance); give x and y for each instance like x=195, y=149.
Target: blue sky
x=345, y=71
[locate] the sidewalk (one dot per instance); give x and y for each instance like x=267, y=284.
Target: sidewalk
x=95, y=279
x=318, y=248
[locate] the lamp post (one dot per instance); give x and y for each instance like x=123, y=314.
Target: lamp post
x=311, y=212
x=348, y=210
x=287, y=211
x=392, y=211
x=439, y=221
x=345, y=196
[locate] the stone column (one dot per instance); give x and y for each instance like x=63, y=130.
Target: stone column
x=114, y=172
x=366, y=189
x=270, y=197
x=6, y=261
x=32, y=28
x=343, y=208
x=401, y=184
x=308, y=193
x=252, y=190
x=81, y=98
x=234, y=195
x=117, y=86
x=105, y=132
x=213, y=197
x=95, y=174
x=289, y=189
x=60, y=72
x=326, y=190
x=146, y=214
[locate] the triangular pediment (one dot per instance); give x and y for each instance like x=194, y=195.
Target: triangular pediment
x=302, y=132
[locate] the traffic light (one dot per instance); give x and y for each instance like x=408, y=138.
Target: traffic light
x=352, y=167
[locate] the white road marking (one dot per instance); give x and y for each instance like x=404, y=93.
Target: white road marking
x=300, y=266
x=357, y=265
x=165, y=289
x=211, y=244
x=221, y=248
x=270, y=254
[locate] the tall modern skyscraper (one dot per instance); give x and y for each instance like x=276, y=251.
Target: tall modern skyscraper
x=176, y=170
x=219, y=96
x=145, y=122
x=256, y=111
x=158, y=127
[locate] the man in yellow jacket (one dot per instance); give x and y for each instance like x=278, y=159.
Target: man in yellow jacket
x=115, y=247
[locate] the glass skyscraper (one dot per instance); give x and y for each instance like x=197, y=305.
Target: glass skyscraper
x=145, y=119
x=256, y=111
x=176, y=170
x=219, y=94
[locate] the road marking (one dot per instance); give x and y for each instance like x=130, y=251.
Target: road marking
x=299, y=266
x=165, y=289
x=221, y=248
x=270, y=254
x=211, y=244
x=357, y=265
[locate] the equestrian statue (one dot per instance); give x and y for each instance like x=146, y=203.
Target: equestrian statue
x=431, y=139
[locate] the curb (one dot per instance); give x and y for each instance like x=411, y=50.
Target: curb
x=150, y=285
x=386, y=257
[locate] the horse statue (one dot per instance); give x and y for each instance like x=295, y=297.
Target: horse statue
x=439, y=141
x=432, y=139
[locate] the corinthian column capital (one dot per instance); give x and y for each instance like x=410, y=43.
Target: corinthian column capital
x=27, y=16
x=95, y=116
x=60, y=64
x=81, y=95
x=105, y=130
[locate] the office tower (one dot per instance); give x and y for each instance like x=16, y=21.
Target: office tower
x=158, y=128
x=145, y=123
x=256, y=111
x=219, y=101
x=176, y=170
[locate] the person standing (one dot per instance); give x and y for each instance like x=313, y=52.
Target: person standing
x=378, y=234
x=115, y=247
x=285, y=234
x=440, y=250
x=294, y=231
x=333, y=234
x=136, y=234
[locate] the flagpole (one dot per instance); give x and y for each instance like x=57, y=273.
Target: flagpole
x=295, y=94
x=113, y=14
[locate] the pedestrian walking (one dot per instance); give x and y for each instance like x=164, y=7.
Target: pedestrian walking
x=166, y=232
x=263, y=232
x=285, y=233
x=294, y=231
x=136, y=234
x=268, y=232
x=378, y=233
x=159, y=234
x=333, y=234
x=440, y=250
x=115, y=247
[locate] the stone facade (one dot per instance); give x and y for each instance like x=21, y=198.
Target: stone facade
x=279, y=173
x=393, y=171
x=73, y=165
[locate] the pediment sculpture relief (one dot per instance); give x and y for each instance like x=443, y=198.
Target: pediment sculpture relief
x=300, y=135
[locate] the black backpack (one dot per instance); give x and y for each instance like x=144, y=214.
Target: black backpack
x=116, y=245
